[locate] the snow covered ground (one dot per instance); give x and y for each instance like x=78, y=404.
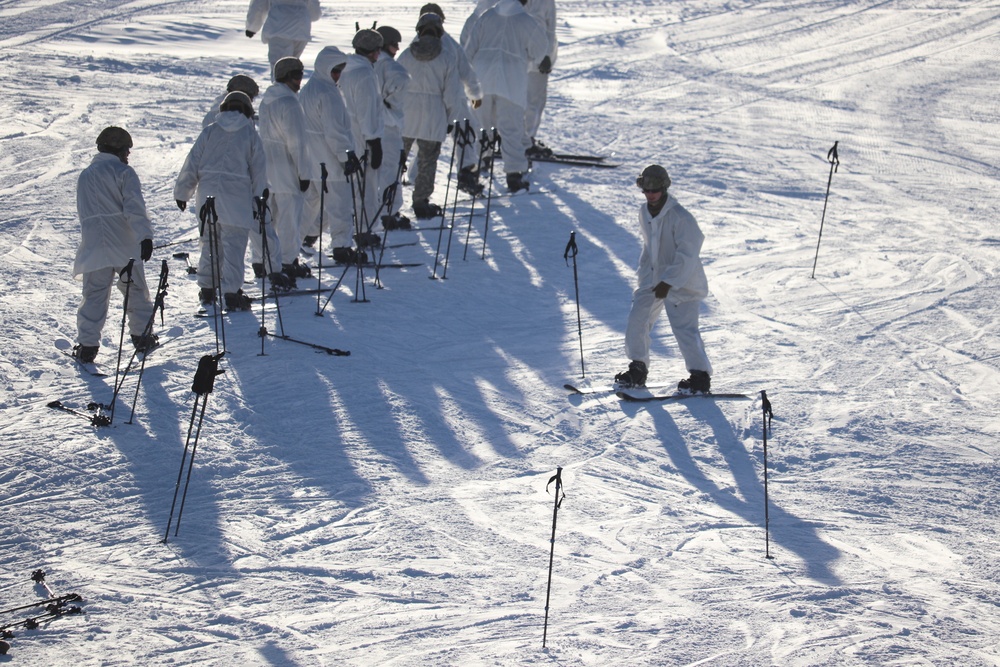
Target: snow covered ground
x=390, y=507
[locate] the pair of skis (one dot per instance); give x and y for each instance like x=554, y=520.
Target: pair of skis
x=52, y=607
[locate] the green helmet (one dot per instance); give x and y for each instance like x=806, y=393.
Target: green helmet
x=243, y=84
x=114, y=139
x=654, y=177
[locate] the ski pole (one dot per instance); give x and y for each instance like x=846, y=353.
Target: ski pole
x=461, y=134
x=559, y=496
x=323, y=174
x=834, y=159
x=389, y=202
x=121, y=338
x=209, y=218
x=161, y=292
x=766, y=424
x=571, y=251
x=447, y=192
x=204, y=383
x=494, y=146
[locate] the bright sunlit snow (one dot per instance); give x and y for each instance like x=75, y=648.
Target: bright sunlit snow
x=390, y=507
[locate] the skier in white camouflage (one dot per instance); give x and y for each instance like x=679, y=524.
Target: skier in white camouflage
x=287, y=26
x=289, y=169
x=503, y=45
x=544, y=11
x=115, y=229
x=359, y=86
x=394, y=82
x=671, y=278
x=434, y=96
x=226, y=162
x=468, y=175
x=328, y=125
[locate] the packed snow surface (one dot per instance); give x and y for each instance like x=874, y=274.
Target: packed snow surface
x=391, y=507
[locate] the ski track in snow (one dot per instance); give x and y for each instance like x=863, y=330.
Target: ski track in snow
x=391, y=508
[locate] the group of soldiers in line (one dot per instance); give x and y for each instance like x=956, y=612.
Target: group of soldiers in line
x=316, y=153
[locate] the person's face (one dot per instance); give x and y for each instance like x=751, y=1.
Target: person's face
x=123, y=156
x=392, y=49
x=652, y=196
x=373, y=56
x=294, y=81
x=335, y=73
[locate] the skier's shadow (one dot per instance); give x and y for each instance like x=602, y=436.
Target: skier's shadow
x=786, y=530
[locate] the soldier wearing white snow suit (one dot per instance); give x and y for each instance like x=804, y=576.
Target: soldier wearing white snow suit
x=434, y=97
x=289, y=169
x=226, y=162
x=393, y=83
x=671, y=278
x=287, y=26
x=360, y=88
x=544, y=11
x=239, y=83
x=115, y=229
x=468, y=178
x=328, y=127
x=503, y=45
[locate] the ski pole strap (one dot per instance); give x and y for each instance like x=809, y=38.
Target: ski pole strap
x=560, y=494
x=832, y=157
x=571, y=249
x=207, y=214
x=127, y=270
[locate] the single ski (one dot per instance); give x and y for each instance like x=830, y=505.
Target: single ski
x=387, y=265
x=577, y=162
x=55, y=611
x=624, y=395
x=66, y=347
x=585, y=158
x=95, y=418
x=606, y=389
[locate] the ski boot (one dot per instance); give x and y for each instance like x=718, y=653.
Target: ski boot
x=85, y=354
x=367, y=240
x=349, y=256
x=517, y=182
x=237, y=301
x=699, y=383
x=468, y=182
x=207, y=296
x=395, y=221
x=635, y=376
x=145, y=344
x=424, y=210
x=537, y=150
x=258, y=269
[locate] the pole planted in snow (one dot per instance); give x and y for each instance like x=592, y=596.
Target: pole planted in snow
x=571, y=251
x=559, y=495
x=834, y=159
x=766, y=406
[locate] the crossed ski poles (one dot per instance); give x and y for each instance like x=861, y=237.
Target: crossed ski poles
x=147, y=332
x=389, y=201
x=489, y=142
x=204, y=383
x=209, y=219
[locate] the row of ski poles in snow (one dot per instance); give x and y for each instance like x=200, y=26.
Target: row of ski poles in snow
x=572, y=249
x=560, y=495
x=51, y=607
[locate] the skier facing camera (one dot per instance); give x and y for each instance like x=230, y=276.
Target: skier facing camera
x=671, y=278
x=115, y=228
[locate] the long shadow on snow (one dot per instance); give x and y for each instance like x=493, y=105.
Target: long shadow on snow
x=792, y=532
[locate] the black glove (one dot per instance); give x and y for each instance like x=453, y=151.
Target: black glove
x=250, y=33
x=353, y=164
x=375, y=152
x=181, y=204
x=303, y=184
x=146, y=249
x=265, y=194
x=546, y=66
